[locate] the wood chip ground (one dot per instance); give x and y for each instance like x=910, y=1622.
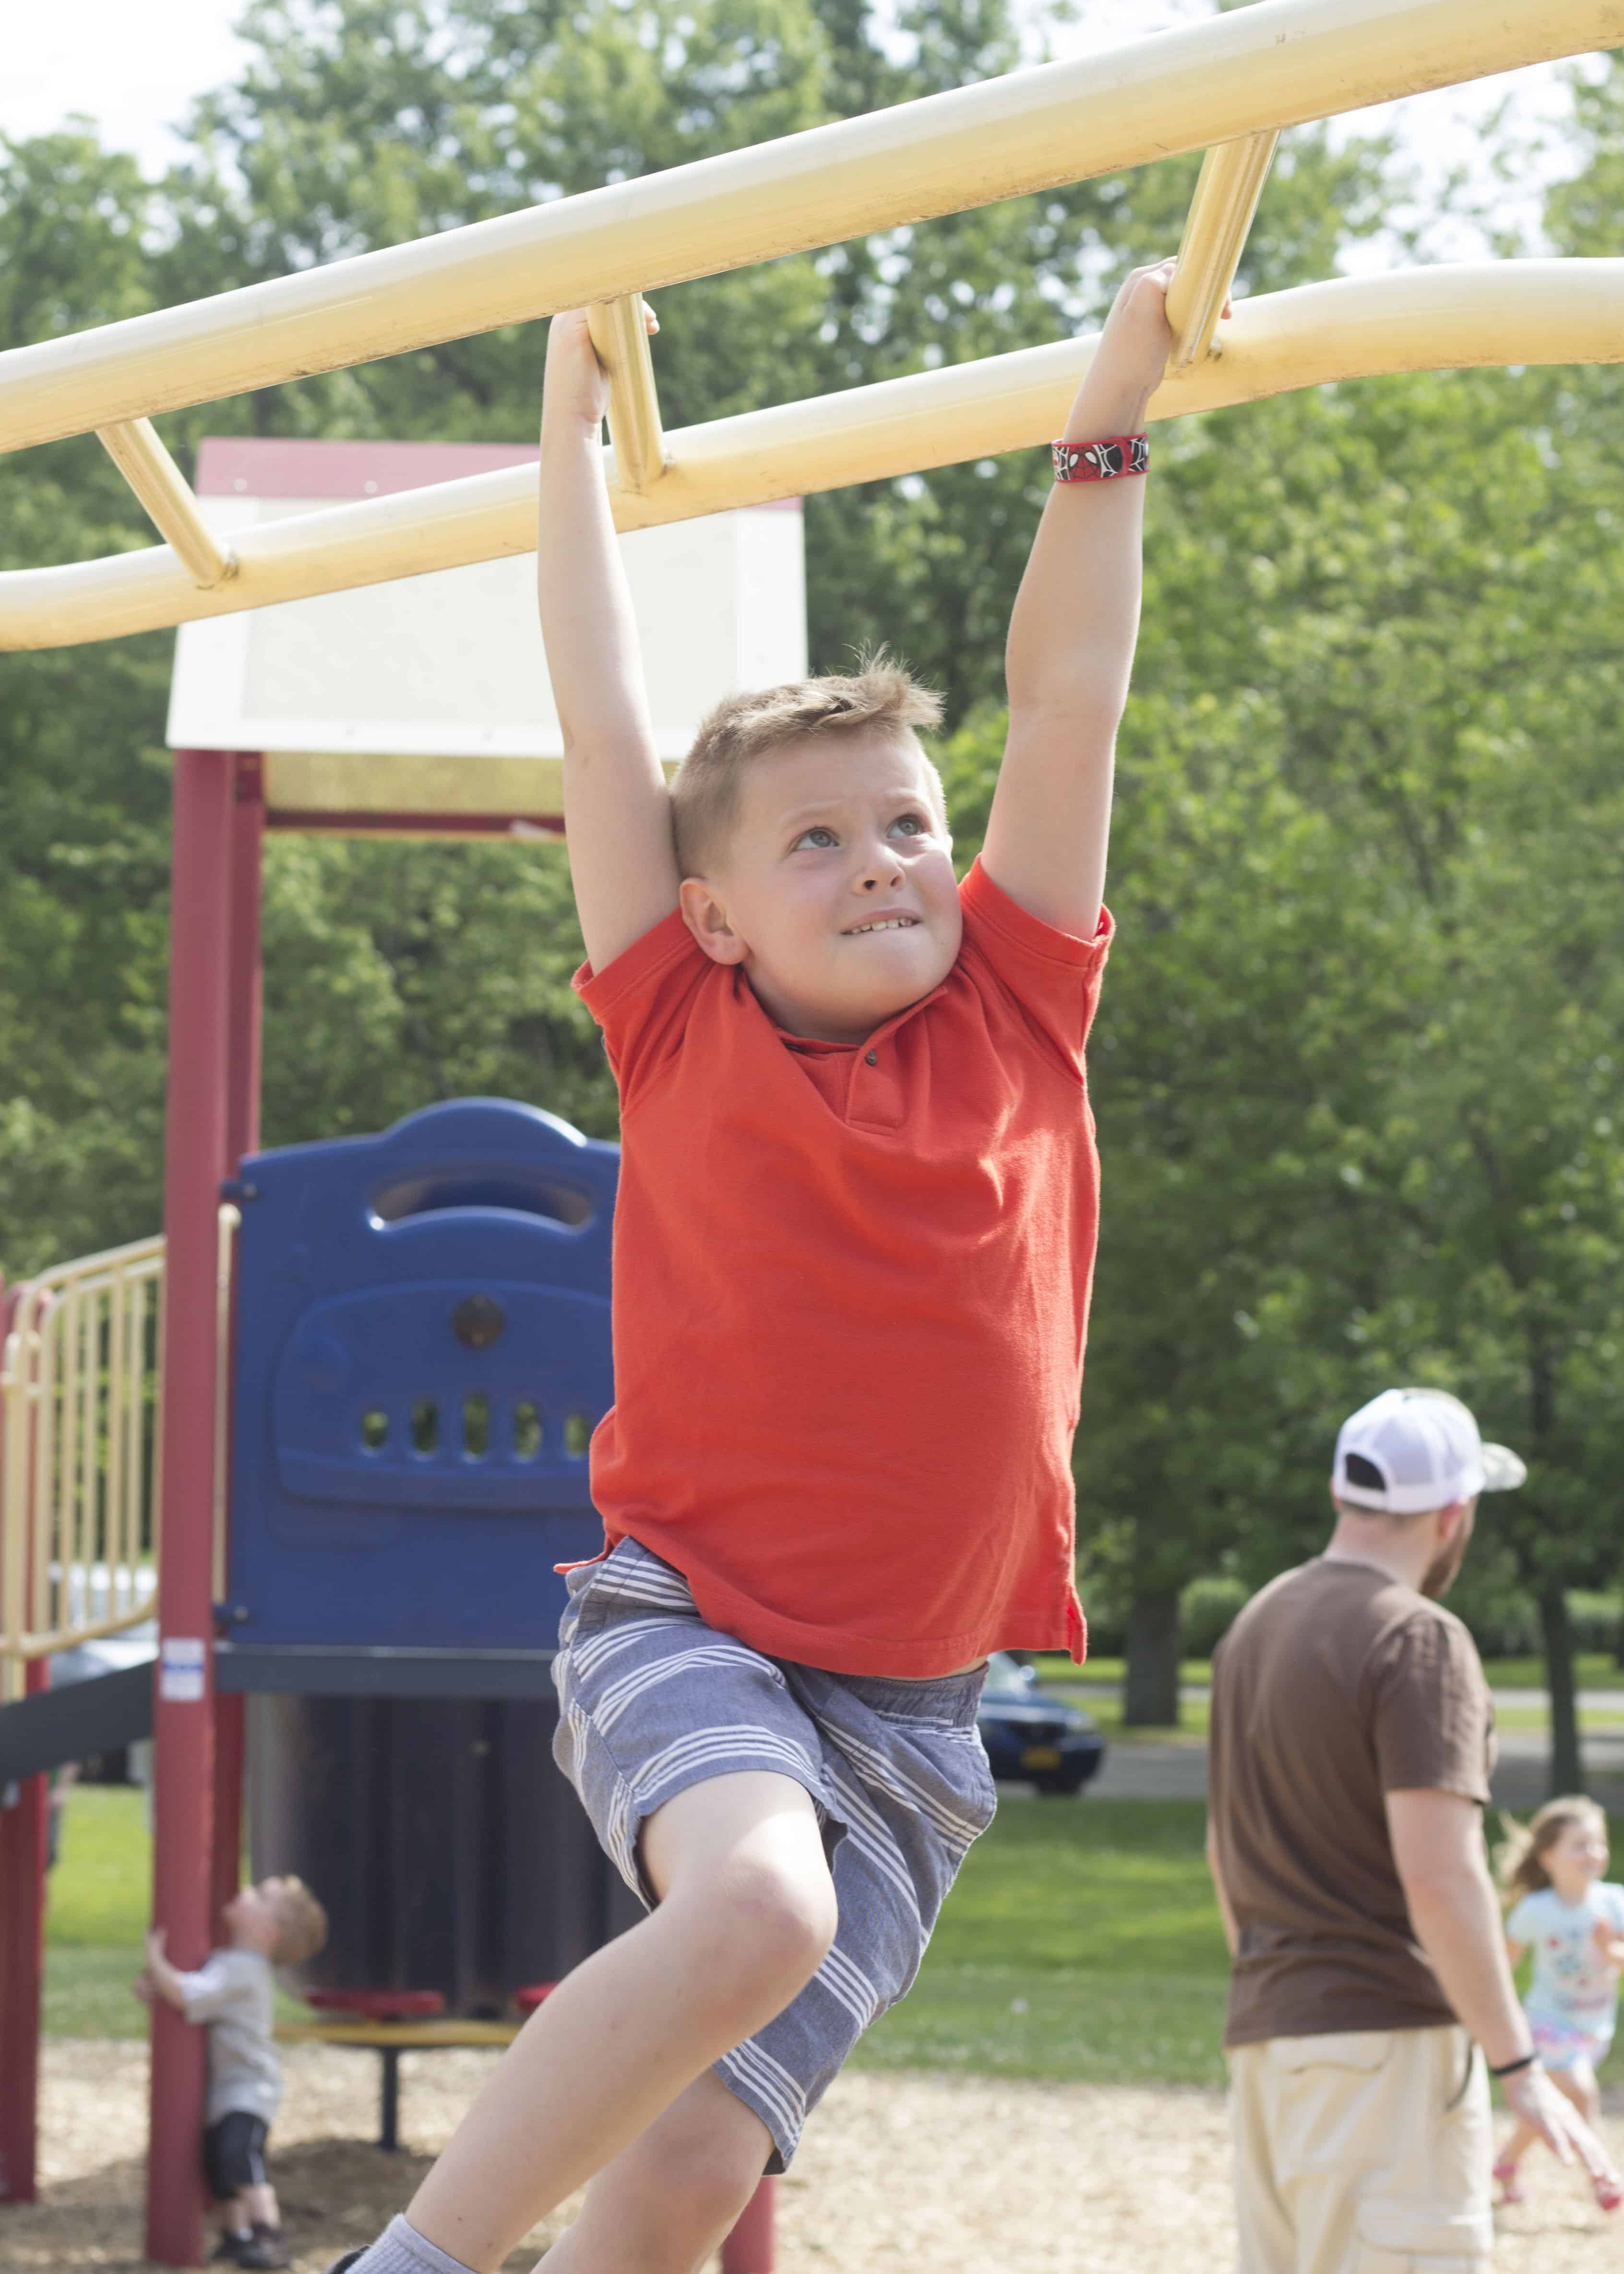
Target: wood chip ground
x=898, y=2175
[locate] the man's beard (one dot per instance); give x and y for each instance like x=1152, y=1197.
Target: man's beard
x=1441, y=1573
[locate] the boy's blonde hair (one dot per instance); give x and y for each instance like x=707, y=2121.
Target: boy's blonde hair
x=1519, y=1860
x=704, y=792
x=302, y=1923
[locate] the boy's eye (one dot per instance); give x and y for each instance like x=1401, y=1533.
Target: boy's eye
x=910, y=824
x=819, y=837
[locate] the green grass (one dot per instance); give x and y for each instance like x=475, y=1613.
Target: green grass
x=101, y=1888
x=1592, y=1670
x=1595, y=1669
x=1080, y=1942
x=1055, y=1668
x=97, y=1912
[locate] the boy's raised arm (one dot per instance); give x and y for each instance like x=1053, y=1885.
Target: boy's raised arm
x=617, y=809
x=1072, y=636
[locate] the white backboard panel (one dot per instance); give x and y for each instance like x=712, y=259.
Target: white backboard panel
x=451, y=663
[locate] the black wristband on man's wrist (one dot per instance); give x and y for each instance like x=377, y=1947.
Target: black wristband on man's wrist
x=1511, y=2068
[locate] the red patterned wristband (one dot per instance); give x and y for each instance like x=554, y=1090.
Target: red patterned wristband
x=1101, y=461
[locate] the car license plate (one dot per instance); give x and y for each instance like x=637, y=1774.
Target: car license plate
x=1041, y=1756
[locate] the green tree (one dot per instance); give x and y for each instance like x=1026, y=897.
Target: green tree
x=83, y=805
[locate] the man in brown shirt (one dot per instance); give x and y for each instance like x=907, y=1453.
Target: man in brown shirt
x=1352, y=1736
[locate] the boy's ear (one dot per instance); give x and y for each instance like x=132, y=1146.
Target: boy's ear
x=706, y=918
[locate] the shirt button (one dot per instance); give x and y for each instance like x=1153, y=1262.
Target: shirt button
x=871, y=1057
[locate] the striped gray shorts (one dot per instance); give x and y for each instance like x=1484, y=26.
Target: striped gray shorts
x=652, y=1700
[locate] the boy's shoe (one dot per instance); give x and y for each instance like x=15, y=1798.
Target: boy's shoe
x=350, y=2258
x=230, y=2249
x=266, y=2246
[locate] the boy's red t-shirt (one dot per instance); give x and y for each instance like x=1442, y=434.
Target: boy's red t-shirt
x=851, y=1290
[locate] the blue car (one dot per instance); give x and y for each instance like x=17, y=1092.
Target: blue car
x=1034, y=1736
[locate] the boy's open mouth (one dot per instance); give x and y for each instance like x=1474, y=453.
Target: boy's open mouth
x=882, y=923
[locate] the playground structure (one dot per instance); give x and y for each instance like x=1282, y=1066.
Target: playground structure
x=1229, y=84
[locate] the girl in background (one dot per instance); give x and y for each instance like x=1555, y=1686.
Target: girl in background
x=1572, y=1917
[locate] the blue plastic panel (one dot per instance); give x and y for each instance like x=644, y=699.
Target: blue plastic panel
x=422, y=1352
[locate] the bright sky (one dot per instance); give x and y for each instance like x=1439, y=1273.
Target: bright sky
x=101, y=57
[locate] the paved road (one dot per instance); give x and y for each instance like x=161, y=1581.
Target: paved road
x=1177, y=1771
x=1600, y=1702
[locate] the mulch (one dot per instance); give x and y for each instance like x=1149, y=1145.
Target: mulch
x=956, y=2175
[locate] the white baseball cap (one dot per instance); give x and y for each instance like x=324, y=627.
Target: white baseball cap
x=1412, y=1449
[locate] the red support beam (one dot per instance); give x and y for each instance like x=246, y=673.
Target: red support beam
x=244, y=1020
x=23, y=1833
x=24, y=1830
x=183, y=1754
x=246, y=1015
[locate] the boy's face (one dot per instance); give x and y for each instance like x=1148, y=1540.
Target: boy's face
x=836, y=893
x=253, y=1916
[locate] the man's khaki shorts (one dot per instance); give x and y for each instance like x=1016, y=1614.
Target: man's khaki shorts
x=1364, y=2152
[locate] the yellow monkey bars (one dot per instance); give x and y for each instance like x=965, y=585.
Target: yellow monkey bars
x=1230, y=82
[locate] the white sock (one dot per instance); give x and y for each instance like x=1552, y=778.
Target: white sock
x=401, y=2249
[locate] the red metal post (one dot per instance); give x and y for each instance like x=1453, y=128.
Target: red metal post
x=749, y=2249
x=244, y=1025
x=24, y=1830
x=247, y=988
x=23, y=1833
x=183, y=1764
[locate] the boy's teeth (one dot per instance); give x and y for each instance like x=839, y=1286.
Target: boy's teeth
x=891, y=924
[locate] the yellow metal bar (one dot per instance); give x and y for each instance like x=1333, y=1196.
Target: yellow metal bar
x=402, y=2034
x=129, y=1423
x=1440, y=318
x=1226, y=198
x=137, y=451
x=72, y=1493
x=78, y=1419
x=55, y=1390
x=621, y=338
x=1275, y=64
x=117, y=1513
x=17, y=1367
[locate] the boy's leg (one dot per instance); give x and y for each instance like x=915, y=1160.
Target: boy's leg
x=667, y=2202
x=747, y=1912
x=261, y=2202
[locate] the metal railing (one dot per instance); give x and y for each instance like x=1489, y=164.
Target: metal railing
x=1226, y=85
x=81, y=1390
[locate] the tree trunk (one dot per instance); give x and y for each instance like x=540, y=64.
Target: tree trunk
x=1150, y=1685
x=1566, y=1765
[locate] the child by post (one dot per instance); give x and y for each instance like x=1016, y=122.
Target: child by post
x=278, y=1923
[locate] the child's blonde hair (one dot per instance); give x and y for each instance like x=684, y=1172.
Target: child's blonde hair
x=301, y=1921
x=1519, y=1860
x=705, y=791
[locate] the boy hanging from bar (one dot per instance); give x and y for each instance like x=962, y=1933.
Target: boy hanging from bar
x=853, y=1246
